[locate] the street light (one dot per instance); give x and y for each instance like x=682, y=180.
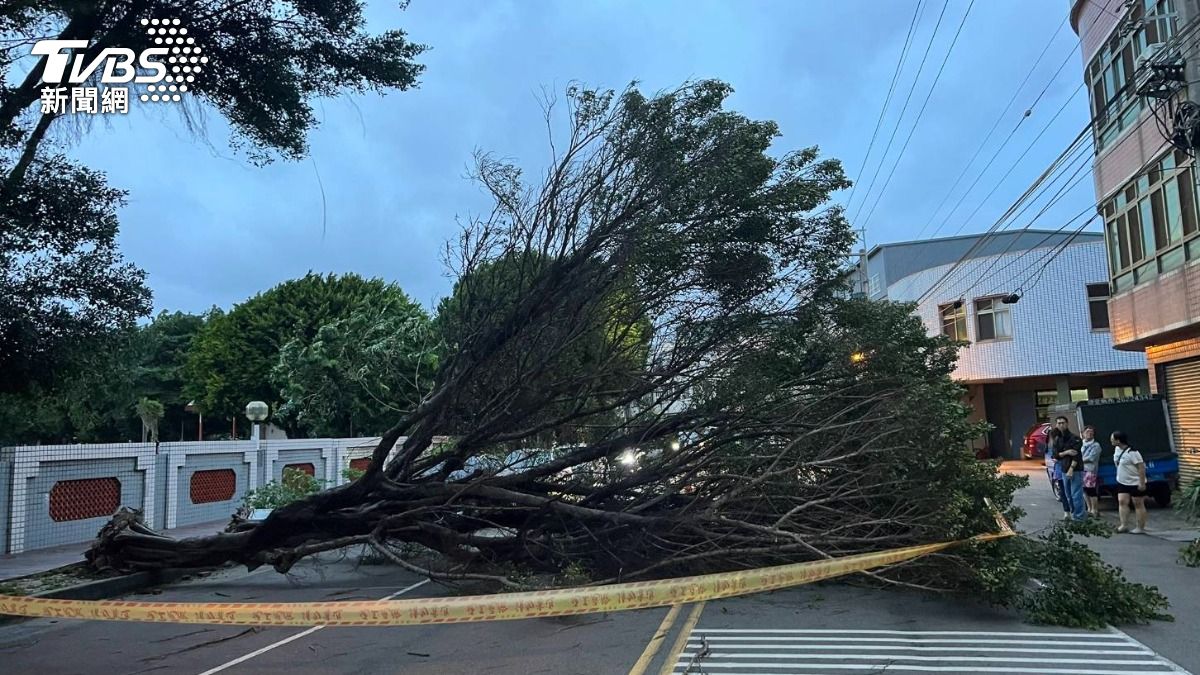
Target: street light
x=193, y=408
x=257, y=411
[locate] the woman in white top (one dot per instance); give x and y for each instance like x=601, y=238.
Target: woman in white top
x=1131, y=482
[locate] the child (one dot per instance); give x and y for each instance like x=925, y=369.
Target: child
x=1091, y=470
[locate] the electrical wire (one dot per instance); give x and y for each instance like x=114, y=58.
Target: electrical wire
x=888, y=98
x=903, y=108
x=1031, y=190
x=920, y=113
x=1166, y=50
x=1055, y=252
x=1012, y=167
x=1065, y=189
x=1004, y=144
x=995, y=125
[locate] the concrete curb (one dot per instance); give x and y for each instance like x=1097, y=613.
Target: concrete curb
x=102, y=589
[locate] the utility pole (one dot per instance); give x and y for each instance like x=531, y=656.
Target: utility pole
x=861, y=284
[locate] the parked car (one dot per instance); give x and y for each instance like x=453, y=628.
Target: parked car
x=1035, y=441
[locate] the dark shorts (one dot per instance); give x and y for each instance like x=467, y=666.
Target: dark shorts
x=1130, y=490
x=1092, y=491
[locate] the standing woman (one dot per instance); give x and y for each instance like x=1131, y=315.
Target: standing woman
x=1131, y=482
x=1091, y=470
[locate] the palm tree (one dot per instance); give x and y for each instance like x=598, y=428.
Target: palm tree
x=150, y=411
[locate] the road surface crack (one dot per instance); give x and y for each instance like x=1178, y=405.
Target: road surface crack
x=176, y=637
x=151, y=659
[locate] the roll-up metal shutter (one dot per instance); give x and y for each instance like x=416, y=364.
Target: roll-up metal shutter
x=1183, y=404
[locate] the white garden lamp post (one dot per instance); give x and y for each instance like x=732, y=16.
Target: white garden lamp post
x=256, y=412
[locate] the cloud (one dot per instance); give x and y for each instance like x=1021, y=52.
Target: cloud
x=211, y=229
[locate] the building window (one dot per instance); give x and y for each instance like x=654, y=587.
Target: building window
x=1097, y=295
x=993, y=319
x=1042, y=402
x=1120, y=392
x=1079, y=395
x=1112, y=73
x=954, y=321
x=1149, y=221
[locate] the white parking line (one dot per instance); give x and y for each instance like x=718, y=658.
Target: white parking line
x=297, y=636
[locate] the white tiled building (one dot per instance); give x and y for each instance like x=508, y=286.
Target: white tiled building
x=1051, y=346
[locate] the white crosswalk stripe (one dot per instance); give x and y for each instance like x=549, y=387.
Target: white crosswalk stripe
x=806, y=652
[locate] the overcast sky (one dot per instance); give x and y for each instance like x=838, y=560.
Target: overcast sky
x=211, y=229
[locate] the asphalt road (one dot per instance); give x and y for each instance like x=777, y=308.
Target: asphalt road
x=1148, y=559
x=831, y=628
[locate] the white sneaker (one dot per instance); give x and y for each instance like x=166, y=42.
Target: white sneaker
x=1121, y=529
x=1138, y=530
x=1066, y=516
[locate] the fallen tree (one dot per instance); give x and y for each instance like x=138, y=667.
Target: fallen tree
x=649, y=366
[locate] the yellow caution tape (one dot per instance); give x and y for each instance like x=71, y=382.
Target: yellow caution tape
x=499, y=607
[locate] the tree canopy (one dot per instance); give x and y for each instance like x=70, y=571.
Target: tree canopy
x=325, y=329
x=93, y=395
x=63, y=282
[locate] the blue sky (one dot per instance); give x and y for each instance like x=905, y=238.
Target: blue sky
x=211, y=229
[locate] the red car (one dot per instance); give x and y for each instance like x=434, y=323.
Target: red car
x=1035, y=441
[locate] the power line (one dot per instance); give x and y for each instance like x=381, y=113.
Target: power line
x=1011, y=209
x=995, y=125
x=1141, y=170
x=1030, y=191
x=979, y=244
x=904, y=108
x=1080, y=161
x=983, y=276
x=1038, y=245
x=888, y=99
x=1175, y=41
x=1055, y=252
x=1011, y=168
x=920, y=113
x=983, y=171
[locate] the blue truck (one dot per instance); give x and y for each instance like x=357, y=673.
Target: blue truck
x=1145, y=420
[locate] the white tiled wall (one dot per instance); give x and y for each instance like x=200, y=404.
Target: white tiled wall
x=1052, y=333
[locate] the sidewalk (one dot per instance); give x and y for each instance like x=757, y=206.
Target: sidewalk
x=1147, y=559
x=46, y=559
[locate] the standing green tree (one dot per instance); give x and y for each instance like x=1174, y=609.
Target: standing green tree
x=162, y=352
x=90, y=397
x=234, y=358
x=63, y=283
x=359, y=372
